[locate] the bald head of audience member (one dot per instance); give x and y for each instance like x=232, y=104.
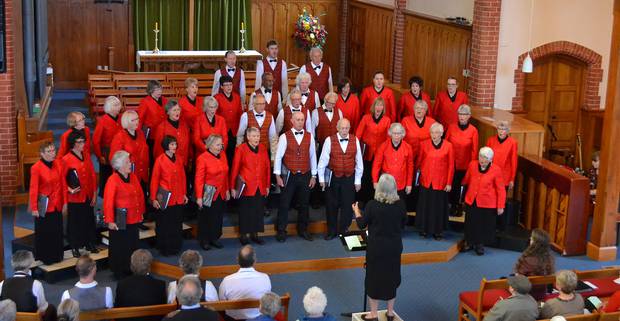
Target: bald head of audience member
x=298, y=120
x=247, y=257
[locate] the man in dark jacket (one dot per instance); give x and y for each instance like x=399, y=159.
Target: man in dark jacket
x=189, y=293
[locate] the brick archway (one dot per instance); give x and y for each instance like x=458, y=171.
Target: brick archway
x=594, y=73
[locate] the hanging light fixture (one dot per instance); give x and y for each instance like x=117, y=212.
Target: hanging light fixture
x=528, y=64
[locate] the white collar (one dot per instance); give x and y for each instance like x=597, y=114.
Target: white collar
x=22, y=274
x=320, y=64
x=190, y=307
x=86, y=285
x=339, y=136
x=291, y=107
x=251, y=269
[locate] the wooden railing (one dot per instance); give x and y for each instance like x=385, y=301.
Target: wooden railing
x=556, y=200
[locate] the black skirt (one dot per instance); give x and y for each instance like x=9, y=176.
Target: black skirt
x=367, y=191
x=105, y=171
x=81, y=228
x=432, y=212
x=169, y=229
x=48, y=242
x=383, y=267
x=251, y=213
x=210, y=220
x=480, y=225
x=122, y=244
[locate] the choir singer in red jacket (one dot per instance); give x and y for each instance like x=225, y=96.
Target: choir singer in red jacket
x=395, y=157
x=447, y=103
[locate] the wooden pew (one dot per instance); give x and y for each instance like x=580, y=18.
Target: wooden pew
x=28, y=146
x=583, y=317
x=613, y=316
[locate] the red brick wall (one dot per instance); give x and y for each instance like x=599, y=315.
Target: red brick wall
x=483, y=62
x=8, y=116
x=344, y=26
x=399, y=40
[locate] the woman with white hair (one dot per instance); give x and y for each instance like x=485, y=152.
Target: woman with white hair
x=77, y=123
x=309, y=97
x=385, y=217
x=68, y=310
x=505, y=149
x=315, y=302
x=123, y=207
x=568, y=301
x=485, y=200
x=105, y=130
x=132, y=140
x=395, y=157
x=436, y=163
x=208, y=123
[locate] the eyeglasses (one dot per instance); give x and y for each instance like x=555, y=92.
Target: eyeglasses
x=449, y=84
x=80, y=141
x=50, y=151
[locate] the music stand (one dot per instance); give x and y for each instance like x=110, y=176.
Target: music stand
x=353, y=241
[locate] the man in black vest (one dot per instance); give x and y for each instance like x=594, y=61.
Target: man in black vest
x=189, y=293
x=26, y=292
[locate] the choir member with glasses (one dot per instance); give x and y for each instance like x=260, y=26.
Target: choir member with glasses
x=209, y=123
x=262, y=120
x=505, y=149
x=378, y=90
x=230, y=108
x=105, y=130
x=309, y=97
x=77, y=123
x=273, y=98
x=275, y=66
x=283, y=120
x=407, y=101
x=175, y=127
x=447, y=103
x=348, y=103
x=320, y=72
x=151, y=111
x=395, y=157
x=233, y=71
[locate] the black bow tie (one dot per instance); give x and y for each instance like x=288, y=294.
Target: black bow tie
x=328, y=111
x=259, y=115
x=299, y=133
x=273, y=60
x=267, y=90
x=317, y=67
x=344, y=139
x=305, y=94
x=296, y=109
x=231, y=69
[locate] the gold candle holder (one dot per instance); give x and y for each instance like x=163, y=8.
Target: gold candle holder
x=242, y=31
x=156, y=31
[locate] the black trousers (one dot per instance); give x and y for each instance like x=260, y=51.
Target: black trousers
x=230, y=149
x=251, y=212
x=367, y=191
x=455, y=193
x=48, y=242
x=81, y=228
x=105, y=171
x=169, y=229
x=297, y=186
x=210, y=220
x=340, y=196
x=122, y=244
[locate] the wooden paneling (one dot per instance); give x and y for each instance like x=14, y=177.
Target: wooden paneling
x=591, y=130
x=370, y=42
x=435, y=49
x=275, y=19
x=83, y=35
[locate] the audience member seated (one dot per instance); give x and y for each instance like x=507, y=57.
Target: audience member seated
x=568, y=302
x=141, y=288
x=613, y=304
x=188, y=294
x=8, y=310
x=537, y=260
x=26, y=292
x=69, y=310
x=520, y=306
x=247, y=283
x=86, y=291
x=315, y=302
x=190, y=263
x=270, y=305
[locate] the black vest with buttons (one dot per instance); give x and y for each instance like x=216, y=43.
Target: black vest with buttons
x=19, y=290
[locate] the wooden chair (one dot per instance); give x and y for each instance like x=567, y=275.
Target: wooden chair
x=98, y=99
x=182, y=76
x=140, y=76
x=131, y=103
x=28, y=146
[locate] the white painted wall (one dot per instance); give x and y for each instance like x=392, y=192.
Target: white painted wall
x=443, y=8
x=587, y=23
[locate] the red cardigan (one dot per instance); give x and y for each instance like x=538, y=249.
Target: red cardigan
x=230, y=109
x=350, y=109
x=64, y=145
x=50, y=182
x=203, y=129
x=254, y=169
x=105, y=130
x=505, y=156
x=151, y=113
x=445, y=111
x=189, y=111
x=181, y=134
x=121, y=194
x=465, y=144
x=436, y=165
x=372, y=134
x=86, y=175
x=368, y=96
x=171, y=176
x=486, y=189
x=407, y=100
x=396, y=162
x=416, y=133
x=138, y=151
x=213, y=171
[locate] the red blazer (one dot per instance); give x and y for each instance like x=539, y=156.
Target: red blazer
x=487, y=188
x=213, y=171
x=372, y=134
x=64, y=145
x=181, y=134
x=416, y=133
x=50, y=182
x=368, y=96
x=405, y=105
x=505, y=156
x=436, y=165
x=121, y=194
x=445, y=111
x=396, y=162
x=105, y=130
x=189, y=111
x=138, y=151
x=86, y=175
x=350, y=108
x=203, y=129
x=230, y=109
x=465, y=144
x=254, y=169
x=151, y=113
x=171, y=176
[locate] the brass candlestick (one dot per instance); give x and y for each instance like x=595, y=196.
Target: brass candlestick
x=156, y=31
x=242, y=31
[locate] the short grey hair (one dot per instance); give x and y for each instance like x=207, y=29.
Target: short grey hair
x=8, y=310
x=386, y=191
x=141, y=260
x=170, y=104
x=340, y=121
x=331, y=94
x=313, y=49
x=211, y=139
x=436, y=126
x=22, y=260
x=464, y=109
x=566, y=281
x=69, y=310
x=486, y=152
x=420, y=103
x=294, y=91
x=315, y=301
x=126, y=116
x=252, y=130
x=118, y=159
x=302, y=76
x=111, y=102
x=503, y=124
x=209, y=101
x=270, y=304
x=189, y=290
x=396, y=127
x=190, y=262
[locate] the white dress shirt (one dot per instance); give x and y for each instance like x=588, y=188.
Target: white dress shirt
x=109, y=301
x=243, y=125
x=37, y=290
x=260, y=69
x=325, y=153
x=282, y=144
x=216, y=81
x=247, y=283
x=330, y=116
x=268, y=97
x=280, y=120
x=318, y=72
x=210, y=291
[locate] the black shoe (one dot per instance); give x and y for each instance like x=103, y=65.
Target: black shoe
x=92, y=248
x=254, y=237
x=466, y=247
x=267, y=212
x=329, y=236
x=76, y=253
x=306, y=236
x=143, y=227
x=423, y=234
x=389, y=317
x=205, y=246
x=217, y=244
x=479, y=250
x=244, y=240
x=281, y=237
x=369, y=319
x=438, y=237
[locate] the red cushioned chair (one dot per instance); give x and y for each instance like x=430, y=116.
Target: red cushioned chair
x=475, y=304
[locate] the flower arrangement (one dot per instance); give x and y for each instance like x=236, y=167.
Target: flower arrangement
x=309, y=32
